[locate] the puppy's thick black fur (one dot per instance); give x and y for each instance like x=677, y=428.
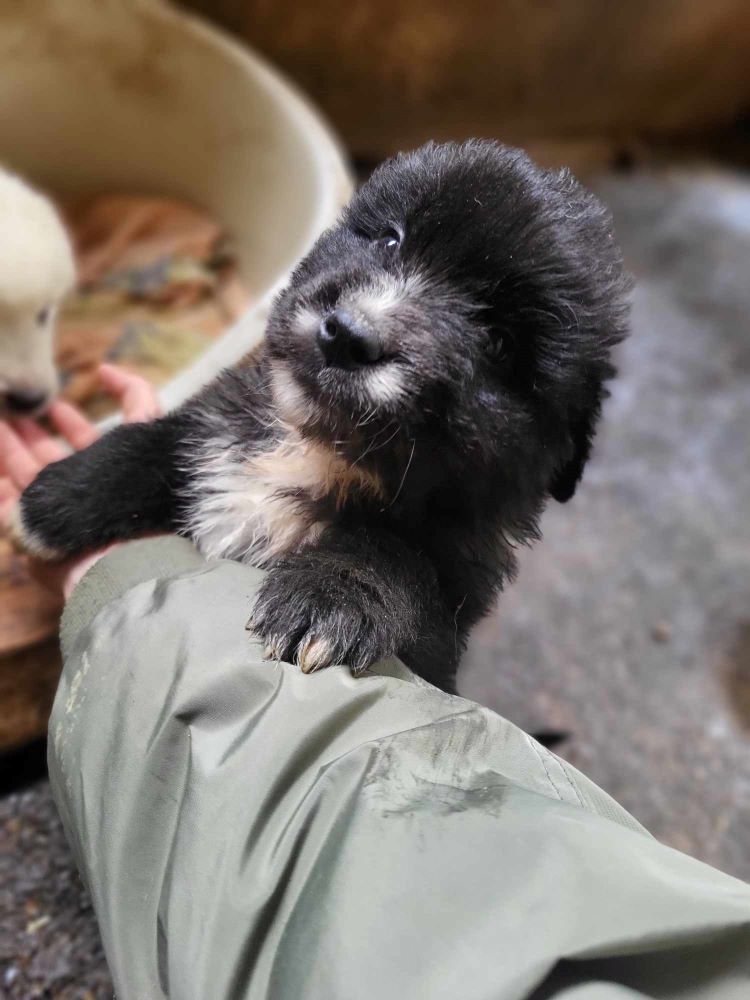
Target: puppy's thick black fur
x=431, y=375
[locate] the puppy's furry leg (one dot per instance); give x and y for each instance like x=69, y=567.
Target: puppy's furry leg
x=355, y=598
x=125, y=484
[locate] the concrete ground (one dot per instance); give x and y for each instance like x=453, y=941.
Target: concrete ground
x=629, y=626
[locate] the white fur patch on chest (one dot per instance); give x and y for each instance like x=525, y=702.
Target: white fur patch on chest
x=255, y=509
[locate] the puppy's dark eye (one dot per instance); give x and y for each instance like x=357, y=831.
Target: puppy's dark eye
x=43, y=315
x=390, y=238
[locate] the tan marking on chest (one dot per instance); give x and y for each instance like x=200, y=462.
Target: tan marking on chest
x=298, y=471
x=299, y=467
x=258, y=509
x=295, y=473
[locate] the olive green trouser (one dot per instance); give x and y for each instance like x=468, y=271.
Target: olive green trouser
x=249, y=831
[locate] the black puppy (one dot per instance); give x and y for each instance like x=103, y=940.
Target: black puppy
x=433, y=372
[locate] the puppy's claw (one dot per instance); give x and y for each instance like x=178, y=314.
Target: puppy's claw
x=298, y=621
x=313, y=654
x=272, y=650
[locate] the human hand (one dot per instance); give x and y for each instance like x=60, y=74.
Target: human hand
x=25, y=448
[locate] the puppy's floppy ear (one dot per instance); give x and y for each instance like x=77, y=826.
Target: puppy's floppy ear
x=582, y=428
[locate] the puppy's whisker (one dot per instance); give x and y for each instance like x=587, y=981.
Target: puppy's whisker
x=406, y=472
x=455, y=623
x=375, y=445
x=367, y=417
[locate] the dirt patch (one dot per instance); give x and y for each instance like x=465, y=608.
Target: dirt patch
x=736, y=677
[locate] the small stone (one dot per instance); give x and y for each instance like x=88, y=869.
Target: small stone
x=661, y=632
x=36, y=925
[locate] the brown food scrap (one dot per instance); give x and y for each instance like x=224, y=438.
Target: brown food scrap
x=157, y=284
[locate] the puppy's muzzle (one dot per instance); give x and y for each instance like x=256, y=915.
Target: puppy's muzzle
x=346, y=342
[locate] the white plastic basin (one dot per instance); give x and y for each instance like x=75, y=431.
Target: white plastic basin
x=111, y=96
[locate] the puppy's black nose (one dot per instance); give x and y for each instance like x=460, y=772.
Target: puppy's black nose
x=346, y=342
x=25, y=400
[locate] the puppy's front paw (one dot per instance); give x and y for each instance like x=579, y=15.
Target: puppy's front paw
x=26, y=540
x=55, y=515
x=315, y=621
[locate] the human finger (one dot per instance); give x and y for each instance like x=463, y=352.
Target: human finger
x=71, y=423
x=16, y=459
x=137, y=396
x=41, y=444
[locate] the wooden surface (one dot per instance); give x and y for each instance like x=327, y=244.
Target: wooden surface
x=391, y=74
x=29, y=655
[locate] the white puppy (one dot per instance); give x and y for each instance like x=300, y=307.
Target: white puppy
x=36, y=270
